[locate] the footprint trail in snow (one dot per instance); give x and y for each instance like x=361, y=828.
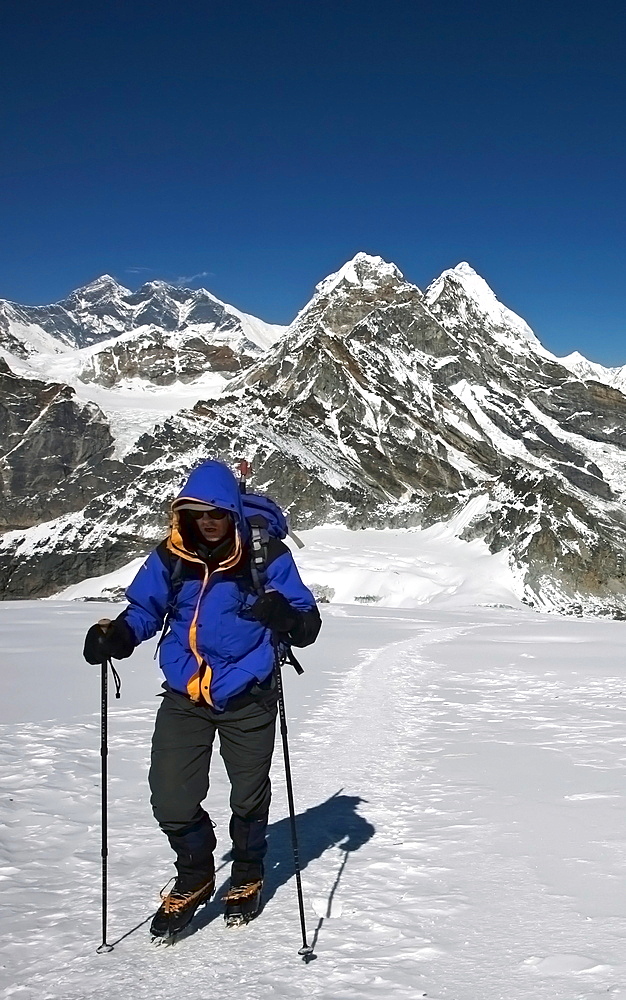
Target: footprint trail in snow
x=459, y=784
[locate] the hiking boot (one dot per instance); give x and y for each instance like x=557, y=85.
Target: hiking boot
x=243, y=903
x=180, y=904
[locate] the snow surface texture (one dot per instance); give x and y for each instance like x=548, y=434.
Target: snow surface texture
x=459, y=778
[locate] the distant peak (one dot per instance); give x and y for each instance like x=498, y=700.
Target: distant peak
x=106, y=284
x=158, y=283
x=103, y=280
x=575, y=358
x=472, y=283
x=464, y=268
x=484, y=300
x=364, y=270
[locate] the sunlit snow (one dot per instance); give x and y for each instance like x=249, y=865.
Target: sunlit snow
x=459, y=776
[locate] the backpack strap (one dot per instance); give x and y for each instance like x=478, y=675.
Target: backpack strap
x=259, y=541
x=176, y=582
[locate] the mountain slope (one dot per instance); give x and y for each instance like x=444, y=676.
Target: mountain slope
x=158, y=334
x=591, y=371
x=382, y=405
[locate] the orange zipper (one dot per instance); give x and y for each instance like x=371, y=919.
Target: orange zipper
x=199, y=684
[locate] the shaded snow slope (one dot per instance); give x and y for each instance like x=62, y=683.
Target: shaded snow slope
x=459, y=782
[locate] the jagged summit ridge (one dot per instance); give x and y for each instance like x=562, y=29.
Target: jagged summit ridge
x=104, y=284
x=104, y=310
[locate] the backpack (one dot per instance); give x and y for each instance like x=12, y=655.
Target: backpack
x=265, y=520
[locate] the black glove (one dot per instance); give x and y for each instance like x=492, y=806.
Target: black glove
x=116, y=641
x=275, y=612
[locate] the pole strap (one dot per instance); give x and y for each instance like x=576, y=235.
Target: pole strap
x=117, y=680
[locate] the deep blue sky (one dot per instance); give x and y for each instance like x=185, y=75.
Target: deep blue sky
x=261, y=144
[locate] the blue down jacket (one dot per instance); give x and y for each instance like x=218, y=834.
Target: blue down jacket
x=212, y=651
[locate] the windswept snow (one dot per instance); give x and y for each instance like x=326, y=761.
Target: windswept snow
x=459, y=782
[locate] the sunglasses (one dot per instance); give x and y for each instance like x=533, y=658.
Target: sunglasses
x=215, y=513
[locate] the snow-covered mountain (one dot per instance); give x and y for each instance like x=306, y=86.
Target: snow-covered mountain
x=591, y=371
x=379, y=406
x=462, y=300
x=157, y=335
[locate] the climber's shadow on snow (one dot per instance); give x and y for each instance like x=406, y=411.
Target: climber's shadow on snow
x=333, y=823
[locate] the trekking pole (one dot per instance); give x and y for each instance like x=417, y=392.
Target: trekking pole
x=104, y=752
x=306, y=951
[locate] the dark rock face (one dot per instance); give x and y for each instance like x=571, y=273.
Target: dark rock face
x=153, y=355
x=380, y=405
x=567, y=554
x=55, y=451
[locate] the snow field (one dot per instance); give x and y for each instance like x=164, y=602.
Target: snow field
x=387, y=568
x=458, y=777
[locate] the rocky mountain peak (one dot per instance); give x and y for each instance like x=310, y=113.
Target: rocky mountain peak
x=162, y=288
x=460, y=297
x=347, y=296
x=103, y=288
x=362, y=271
x=379, y=404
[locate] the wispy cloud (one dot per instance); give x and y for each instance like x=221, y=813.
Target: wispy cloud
x=187, y=279
x=138, y=270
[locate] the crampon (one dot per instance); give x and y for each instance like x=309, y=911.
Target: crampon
x=178, y=907
x=243, y=903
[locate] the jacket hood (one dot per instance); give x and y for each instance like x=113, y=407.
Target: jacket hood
x=211, y=483
x=214, y=483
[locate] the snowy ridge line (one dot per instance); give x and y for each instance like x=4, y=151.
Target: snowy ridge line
x=591, y=370
x=482, y=298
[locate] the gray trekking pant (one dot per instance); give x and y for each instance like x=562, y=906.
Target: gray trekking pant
x=181, y=755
